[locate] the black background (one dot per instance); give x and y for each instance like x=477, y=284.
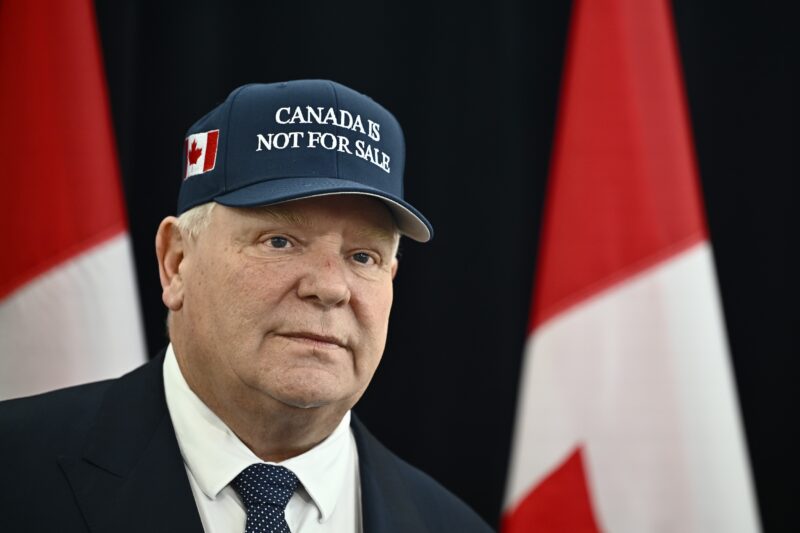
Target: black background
x=475, y=86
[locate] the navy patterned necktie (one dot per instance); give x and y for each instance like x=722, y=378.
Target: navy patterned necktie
x=265, y=490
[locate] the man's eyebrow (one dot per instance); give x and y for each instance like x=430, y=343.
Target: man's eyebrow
x=286, y=216
x=292, y=217
x=377, y=232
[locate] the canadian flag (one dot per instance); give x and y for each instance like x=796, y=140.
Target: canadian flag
x=627, y=418
x=68, y=303
x=201, y=152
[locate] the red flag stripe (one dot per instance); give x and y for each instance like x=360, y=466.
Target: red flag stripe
x=560, y=503
x=211, y=151
x=55, y=139
x=623, y=192
x=186, y=156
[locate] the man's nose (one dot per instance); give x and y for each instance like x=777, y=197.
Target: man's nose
x=325, y=280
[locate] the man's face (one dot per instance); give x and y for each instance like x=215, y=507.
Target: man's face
x=289, y=302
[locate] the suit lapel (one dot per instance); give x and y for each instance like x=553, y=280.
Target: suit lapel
x=386, y=505
x=131, y=476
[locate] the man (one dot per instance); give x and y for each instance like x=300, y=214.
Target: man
x=278, y=279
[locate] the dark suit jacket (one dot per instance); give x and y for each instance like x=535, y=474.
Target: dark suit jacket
x=103, y=457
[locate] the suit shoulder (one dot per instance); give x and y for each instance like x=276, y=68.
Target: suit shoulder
x=50, y=420
x=442, y=510
x=450, y=508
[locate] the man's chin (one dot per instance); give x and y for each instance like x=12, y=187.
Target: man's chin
x=304, y=403
x=307, y=399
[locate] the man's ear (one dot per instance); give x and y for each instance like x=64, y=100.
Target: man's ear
x=395, y=266
x=170, y=247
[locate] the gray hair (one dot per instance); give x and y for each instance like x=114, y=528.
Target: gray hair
x=196, y=219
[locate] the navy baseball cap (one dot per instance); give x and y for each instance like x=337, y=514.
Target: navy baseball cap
x=277, y=142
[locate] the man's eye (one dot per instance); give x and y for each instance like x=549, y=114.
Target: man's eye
x=363, y=258
x=279, y=242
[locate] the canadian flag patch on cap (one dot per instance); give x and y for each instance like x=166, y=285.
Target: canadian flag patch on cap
x=201, y=152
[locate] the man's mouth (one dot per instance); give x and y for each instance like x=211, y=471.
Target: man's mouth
x=315, y=339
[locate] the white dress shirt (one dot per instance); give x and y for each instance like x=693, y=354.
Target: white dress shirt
x=327, y=500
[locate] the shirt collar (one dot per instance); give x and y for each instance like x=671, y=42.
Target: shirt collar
x=215, y=455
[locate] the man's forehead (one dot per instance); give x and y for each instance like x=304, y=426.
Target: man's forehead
x=375, y=218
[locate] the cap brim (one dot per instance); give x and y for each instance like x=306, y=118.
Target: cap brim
x=410, y=222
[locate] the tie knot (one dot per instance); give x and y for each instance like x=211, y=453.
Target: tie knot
x=262, y=484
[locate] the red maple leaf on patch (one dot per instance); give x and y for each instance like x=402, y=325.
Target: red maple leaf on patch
x=194, y=153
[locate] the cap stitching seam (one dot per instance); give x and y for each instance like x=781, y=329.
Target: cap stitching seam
x=338, y=110
x=227, y=141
